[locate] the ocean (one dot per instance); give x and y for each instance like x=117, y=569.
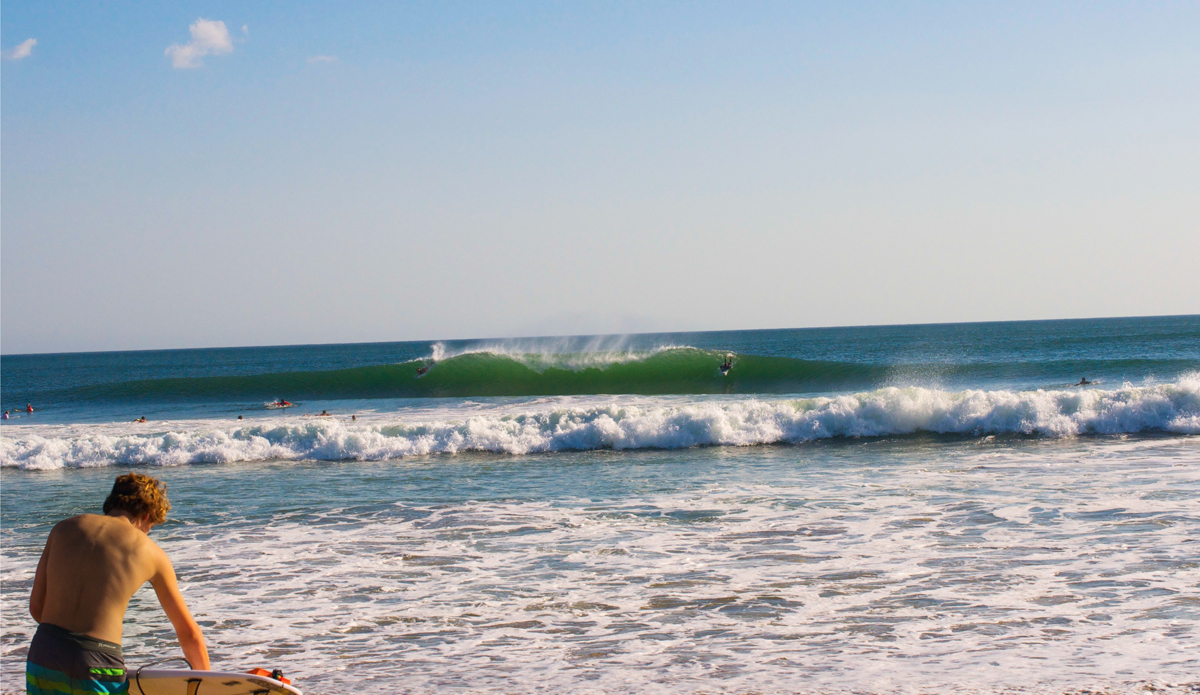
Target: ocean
x=893, y=509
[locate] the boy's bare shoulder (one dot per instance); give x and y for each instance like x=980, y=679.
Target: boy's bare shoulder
x=76, y=524
x=106, y=530
x=84, y=523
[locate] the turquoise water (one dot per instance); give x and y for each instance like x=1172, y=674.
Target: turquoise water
x=886, y=509
x=1041, y=354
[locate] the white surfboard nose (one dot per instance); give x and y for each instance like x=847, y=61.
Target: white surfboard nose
x=187, y=682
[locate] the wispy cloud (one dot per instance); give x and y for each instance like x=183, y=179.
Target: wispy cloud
x=313, y=60
x=209, y=37
x=22, y=50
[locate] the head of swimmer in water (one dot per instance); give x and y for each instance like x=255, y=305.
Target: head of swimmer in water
x=142, y=498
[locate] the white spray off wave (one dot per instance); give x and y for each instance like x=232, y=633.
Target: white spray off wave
x=540, y=354
x=1173, y=407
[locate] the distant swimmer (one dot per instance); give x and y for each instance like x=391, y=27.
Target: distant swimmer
x=5, y=416
x=28, y=408
x=354, y=418
x=1083, y=382
x=141, y=419
x=324, y=414
x=727, y=364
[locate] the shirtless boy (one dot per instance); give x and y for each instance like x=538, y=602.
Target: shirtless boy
x=90, y=568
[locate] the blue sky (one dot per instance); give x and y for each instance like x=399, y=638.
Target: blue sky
x=399, y=171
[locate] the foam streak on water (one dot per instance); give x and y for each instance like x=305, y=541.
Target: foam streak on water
x=963, y=568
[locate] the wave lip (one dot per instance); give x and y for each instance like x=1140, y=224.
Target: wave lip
x=542, y=355
x=1172, y=407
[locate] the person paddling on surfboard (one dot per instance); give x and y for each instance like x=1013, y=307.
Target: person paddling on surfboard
x=92, y=564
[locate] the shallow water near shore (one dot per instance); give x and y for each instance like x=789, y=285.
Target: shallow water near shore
x=878, y=510
x=881, y=565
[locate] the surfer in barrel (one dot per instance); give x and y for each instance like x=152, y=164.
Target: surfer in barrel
x=727, y=364
x=92, y=564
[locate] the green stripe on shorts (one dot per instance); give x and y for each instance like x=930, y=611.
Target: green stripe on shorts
x=40, y=680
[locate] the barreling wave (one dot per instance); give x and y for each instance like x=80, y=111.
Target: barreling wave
x=487, y=372
x=1172, y=407
x=499, y=371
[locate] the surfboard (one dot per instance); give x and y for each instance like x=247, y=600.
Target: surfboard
x=163, y=681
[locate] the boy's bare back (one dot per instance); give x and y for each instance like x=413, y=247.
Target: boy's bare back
x=94, y=564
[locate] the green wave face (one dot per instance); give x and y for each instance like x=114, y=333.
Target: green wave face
x=674, y=371
x=669, y=371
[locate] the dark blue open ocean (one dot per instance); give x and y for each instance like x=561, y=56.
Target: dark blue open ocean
x=875, y=509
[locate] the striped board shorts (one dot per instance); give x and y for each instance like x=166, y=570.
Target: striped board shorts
x=69, y=663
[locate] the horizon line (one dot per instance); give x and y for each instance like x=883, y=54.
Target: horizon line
x=597, y=335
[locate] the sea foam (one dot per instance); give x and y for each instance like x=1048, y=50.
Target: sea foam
x=622, y=423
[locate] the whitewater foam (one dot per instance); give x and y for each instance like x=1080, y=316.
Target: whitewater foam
x=1016, y=568
x=620, y=423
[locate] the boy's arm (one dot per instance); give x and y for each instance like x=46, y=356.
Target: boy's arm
x=37, y=597
x=186, y=629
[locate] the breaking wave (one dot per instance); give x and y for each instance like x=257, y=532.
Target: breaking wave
x=494, y=371
x=1172, y=407
x=505, y=370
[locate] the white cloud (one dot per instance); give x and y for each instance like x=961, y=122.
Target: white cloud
x=313, y=60
x=208, y=38
x=23, y=49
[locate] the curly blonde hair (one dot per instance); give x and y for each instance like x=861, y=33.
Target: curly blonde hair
x=141, y=496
